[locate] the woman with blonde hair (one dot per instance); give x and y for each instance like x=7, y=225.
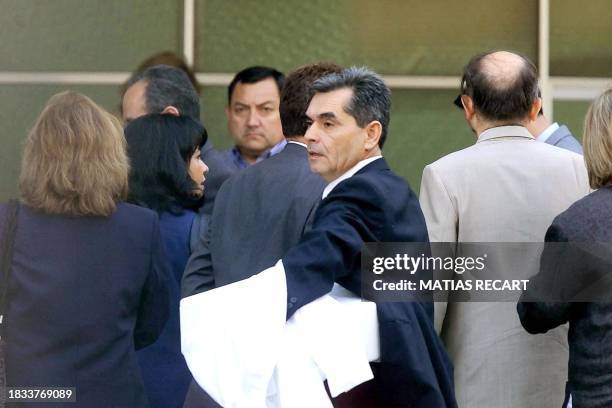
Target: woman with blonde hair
x=584, y=262
x=87, y=282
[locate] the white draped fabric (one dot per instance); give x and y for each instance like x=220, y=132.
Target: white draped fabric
x=243, y=353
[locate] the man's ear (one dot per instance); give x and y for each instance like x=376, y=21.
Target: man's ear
x=468, y=107
x=373, y=133
x=535, y=109
x=171, y=110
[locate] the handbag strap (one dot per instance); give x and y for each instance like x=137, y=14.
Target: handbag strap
x=8, y=244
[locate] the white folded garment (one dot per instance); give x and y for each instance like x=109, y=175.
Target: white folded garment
x=242, y=353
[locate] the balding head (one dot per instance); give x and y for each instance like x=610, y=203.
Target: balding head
x=502, y=85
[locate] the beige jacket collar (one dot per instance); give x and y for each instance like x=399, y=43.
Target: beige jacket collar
x=504, y=132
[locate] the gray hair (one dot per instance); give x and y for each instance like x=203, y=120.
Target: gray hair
x=168, y=86
x=371, y=98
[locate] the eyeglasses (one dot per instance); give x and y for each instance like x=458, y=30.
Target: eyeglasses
x=457, y=102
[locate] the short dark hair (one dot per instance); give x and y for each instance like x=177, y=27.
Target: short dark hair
x=297, y=93
x=168, y=86
x=371, y=98
x=255, y=74
x=172, y=59
x=502, y=103
x=160, y=148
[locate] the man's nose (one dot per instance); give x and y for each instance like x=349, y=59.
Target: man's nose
x=311, y=134
x=254, y=118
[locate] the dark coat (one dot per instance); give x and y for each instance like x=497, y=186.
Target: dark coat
x=374, y=205
x=164, y=370
x=218, y=171
x=259, y=214
x=589, y=222
x=84, y=293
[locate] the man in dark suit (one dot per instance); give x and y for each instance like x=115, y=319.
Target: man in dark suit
x=366, y=202
x=166, y=89
x=264, y=208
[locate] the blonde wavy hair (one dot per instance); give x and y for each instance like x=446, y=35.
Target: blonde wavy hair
x=597, y=141
x=74, y=161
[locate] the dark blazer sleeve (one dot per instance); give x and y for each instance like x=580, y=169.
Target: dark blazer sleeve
x=198, y=276
x=330, y=251
x=154, y=300
x=541, y=316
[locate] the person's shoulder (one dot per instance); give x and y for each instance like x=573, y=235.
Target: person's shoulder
x=134, y=213
x=595, y=209
x=371, y=186
x=597, y=203
x=454, y=159
x=569, y=142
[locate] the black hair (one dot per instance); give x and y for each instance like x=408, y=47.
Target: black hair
x=160, y=148
x=255, y=74
x=168, y=86
x=296, y=96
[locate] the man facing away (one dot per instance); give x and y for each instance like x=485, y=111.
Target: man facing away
x=495, y=191
x=253, y=118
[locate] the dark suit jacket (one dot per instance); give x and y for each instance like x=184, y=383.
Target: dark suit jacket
x=588, y=221
x=259, y=214
x=374, y=205
x=83, y=294
x=564, y=139
x=218, y=172
x=164, y=370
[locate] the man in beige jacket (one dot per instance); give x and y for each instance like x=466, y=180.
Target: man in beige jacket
x=504, y=188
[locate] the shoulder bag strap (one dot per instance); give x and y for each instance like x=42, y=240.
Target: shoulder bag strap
x=8, y=243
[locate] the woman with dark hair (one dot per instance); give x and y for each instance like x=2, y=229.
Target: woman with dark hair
x=167, y=176
x=579, y=271
x=86, y=285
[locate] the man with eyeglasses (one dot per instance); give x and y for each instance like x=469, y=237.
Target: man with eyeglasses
x=504, y=188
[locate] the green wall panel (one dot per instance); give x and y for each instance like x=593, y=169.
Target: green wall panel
x=214, y=99
x=86, y=35
x=571, y=114
x=425, y=126
x=581, y=38
x=18, y=116
x=403, y=37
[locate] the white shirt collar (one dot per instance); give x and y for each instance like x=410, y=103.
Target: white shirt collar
x=350, y=173
x=297, y=143
x=542, y=137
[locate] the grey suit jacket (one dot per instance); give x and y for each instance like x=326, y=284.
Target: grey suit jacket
x=218, y=172
x=564, y=139
x=259, y=214
x=505, y=188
